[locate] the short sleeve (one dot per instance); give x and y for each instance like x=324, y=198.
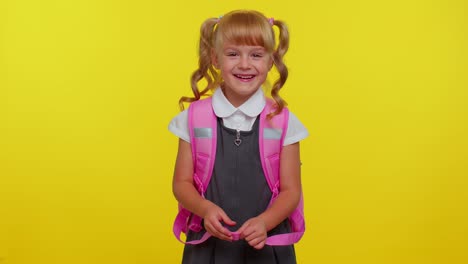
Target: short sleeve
x=179, y=126
x=296, y=131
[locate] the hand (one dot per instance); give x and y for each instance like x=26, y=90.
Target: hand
x=213, y=217
x=254, y=232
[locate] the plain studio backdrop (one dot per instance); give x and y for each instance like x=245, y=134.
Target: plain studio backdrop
x=87, y=89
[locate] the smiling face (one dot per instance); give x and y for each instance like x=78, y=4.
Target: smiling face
x=244, y=69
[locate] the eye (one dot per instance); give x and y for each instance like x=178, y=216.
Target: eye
x=257, y=55
x=231, y=54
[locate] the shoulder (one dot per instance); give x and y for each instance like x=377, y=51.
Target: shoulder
x=205, y=102
x=271, y=105
x=179, y=126
x=199, y=108
x=296, y=130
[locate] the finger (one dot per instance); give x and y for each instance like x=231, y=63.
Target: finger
x=214, y=232
x=211, y=227
x=253, y=242
x=260, y=245
x=257, y=241
x=251, y=237
x=248, y=233
x=245, y=230
x=227, y=220
x=255, y=238
x=224, y=237
x=211, y=230
x=222, y=230
x=241, y=231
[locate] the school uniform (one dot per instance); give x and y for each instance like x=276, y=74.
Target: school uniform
x=238, y=184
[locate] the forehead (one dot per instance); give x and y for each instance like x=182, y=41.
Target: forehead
x=232, y=46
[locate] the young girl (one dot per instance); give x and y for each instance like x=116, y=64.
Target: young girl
x=235, y=55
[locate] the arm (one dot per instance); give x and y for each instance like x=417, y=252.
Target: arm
x=254, y=230
x=188, y=196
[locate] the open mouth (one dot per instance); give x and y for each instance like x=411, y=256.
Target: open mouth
x=244, y=77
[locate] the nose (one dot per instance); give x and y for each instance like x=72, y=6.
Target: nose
x=244, y=63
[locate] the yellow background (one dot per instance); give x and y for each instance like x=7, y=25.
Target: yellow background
x=88, y=87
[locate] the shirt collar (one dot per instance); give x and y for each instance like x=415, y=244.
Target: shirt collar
x=252, y=107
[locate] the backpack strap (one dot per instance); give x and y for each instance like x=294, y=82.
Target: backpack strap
x=271, y=139
x=202, y=129
x=202, y=126
x=203, y=133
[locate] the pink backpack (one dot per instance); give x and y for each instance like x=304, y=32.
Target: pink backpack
x=202, y=126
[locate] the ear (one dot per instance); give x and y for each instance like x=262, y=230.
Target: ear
x=214, y=58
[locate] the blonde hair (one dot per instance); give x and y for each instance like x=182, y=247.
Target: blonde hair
x=240, y=27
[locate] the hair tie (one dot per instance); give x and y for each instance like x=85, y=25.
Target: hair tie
x=271, y=21
x=219, y=18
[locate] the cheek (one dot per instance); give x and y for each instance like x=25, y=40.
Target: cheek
x=265, y=64
x=265, y=68
x=225, y=73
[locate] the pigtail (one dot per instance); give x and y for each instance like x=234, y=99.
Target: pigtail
x=205, y=68
x=278, y=55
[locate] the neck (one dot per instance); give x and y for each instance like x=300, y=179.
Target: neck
x=235, y=99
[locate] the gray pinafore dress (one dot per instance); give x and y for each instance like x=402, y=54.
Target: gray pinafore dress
x=239, y=187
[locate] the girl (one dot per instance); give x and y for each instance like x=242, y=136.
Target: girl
x=235, y=55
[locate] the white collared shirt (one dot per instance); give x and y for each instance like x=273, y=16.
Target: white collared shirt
x=241, y=118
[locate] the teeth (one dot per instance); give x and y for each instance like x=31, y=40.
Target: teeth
x=245, y=76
